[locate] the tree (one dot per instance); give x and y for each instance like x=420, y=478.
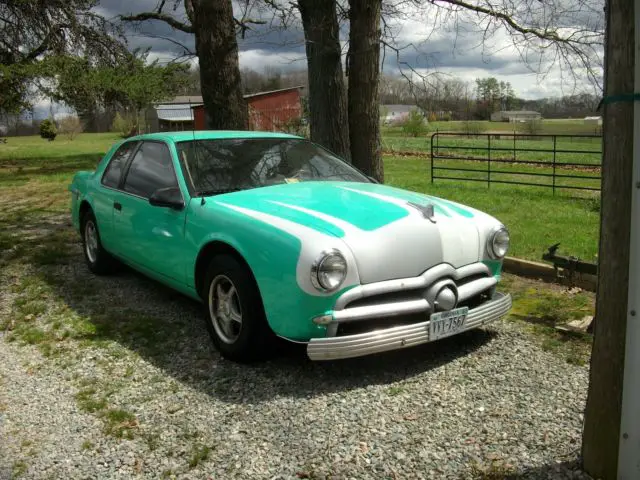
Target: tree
x=363, y=62
x=70, y=126
x=31, y=32
x=604, y=402
x=214, y=27
x=414, y=125
x=489, y=94
x=48, y=129
x=129, y=86
x=531, y=28
x=327, y=93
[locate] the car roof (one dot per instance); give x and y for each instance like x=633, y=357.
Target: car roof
x=210, y=135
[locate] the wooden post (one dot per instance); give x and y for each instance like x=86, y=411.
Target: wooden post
x=601, y=438
x=629, y=455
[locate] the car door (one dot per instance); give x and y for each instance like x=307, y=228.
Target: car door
x=151, y=236
x=106, y=193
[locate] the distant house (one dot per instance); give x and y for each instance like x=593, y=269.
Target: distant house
x=593, y=121
x=515, y=116
x=267, y=111
x=396, y=114
x=173, y=115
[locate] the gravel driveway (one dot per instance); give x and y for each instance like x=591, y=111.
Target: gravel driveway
x=134, y=389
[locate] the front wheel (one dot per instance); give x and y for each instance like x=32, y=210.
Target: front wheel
x=234, y=311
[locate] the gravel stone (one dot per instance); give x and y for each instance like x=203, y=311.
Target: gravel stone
x=489, y=401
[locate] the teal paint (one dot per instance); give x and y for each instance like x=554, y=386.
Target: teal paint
x=495, y=266
x=271, y=253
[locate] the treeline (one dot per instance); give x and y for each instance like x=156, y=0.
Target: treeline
x=454, y=99
x=447, y=98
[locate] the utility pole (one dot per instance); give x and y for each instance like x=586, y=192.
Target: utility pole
x=604, y=410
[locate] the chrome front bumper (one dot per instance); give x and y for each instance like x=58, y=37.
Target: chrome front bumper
x=333, y=348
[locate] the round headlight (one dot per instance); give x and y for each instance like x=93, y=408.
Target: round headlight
x=329, y=271
x=498, y=243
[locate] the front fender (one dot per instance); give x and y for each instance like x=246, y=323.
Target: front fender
x=280, y=255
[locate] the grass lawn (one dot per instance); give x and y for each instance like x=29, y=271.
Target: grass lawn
x=554, y=126
x=568, y=150
x=24, y=151
x=35, y=174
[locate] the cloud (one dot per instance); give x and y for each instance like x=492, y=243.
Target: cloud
x=429, y=39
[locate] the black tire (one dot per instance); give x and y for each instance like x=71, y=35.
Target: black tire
x=250, y=340
x=98, y=259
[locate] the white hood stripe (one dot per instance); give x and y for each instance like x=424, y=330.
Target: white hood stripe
x=400, y=202
x=348, y=228
x=293, y=228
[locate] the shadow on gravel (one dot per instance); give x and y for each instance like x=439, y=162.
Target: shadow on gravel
x=556, y=471
x=168, y=330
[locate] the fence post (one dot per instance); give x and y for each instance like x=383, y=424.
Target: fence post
x=432, y=136
x=489, y=160
x=555, y=137
x=514, y=145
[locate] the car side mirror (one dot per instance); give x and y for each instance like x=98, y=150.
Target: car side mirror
x=167, y=197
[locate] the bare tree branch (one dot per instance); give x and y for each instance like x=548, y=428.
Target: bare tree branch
x=509, y=22
x=168, y=19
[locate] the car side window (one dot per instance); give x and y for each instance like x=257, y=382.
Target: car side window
x=112, y=173
x=150, y=169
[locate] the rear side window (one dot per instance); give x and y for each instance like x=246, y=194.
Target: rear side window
x=151, y=169
x=111, y=177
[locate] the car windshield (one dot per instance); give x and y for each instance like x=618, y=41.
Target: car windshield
x=225, y=165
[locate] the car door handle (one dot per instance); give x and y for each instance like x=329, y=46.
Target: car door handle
x=117, y=206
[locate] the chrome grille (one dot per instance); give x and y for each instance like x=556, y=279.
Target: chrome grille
x=407, y=301
x=477, y=282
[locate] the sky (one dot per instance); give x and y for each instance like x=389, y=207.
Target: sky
x=423, y=40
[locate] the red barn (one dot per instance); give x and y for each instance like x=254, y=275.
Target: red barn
x=269, y=111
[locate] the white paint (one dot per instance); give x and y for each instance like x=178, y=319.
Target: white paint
x=403, y=248
x=629, y=453
x=313, y=243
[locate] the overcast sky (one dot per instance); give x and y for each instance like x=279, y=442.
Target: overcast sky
x=430, y=41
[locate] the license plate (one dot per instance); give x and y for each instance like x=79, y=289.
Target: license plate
x=445, y=324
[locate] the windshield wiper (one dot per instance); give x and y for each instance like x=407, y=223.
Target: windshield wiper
x=208, y=193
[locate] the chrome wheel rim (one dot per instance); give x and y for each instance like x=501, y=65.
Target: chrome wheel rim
x=224, y=309
x=91, y=241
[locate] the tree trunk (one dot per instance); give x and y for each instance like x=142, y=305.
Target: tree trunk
x=217, y=50
x=327, y=92
x=363, y=70
x=604, y=402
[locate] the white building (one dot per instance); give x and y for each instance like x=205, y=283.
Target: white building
x=593, y=121
x=512, y=116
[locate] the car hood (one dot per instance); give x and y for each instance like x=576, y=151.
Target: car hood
x=388, y=233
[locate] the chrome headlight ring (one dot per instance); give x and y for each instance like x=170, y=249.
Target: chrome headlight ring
x=329, y=271
x=498, y=242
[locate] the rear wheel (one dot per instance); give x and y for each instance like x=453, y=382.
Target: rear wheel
x=98, y=259
x=234, y=311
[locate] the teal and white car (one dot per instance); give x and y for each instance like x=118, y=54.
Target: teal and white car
x=278, y=237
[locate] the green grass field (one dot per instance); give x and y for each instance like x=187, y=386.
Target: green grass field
x=34, y=175
x=556, y=126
